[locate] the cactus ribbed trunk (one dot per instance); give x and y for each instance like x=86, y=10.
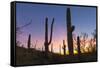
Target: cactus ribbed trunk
x=64, y=47
x=29, y=41
x=47, y=43
x=70, y=29
x=78, y=45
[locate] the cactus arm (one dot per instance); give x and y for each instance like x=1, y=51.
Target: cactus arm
x=72, y=28
x=46, y=30
x=51, y=31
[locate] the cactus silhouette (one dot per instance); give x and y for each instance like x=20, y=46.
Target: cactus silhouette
x=78, y=45
x=42, y=48
x=47, y=43
x=52, y=48
x=35, y=44
x=29, y=41
x=64, y=47
x=70, y=29
x=60, y=49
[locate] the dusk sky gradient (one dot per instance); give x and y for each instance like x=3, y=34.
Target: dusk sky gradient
x=83, y=18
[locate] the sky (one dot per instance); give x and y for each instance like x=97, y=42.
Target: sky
x=83, y=18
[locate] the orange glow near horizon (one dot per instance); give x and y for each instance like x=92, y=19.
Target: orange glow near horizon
x=56, y=44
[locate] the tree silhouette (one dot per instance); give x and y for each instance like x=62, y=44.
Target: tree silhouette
x=92, y=42
x=83, y=40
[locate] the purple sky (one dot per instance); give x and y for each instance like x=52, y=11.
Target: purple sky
x=84, y=19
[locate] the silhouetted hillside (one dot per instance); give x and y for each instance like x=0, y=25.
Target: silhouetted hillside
x=34, y=57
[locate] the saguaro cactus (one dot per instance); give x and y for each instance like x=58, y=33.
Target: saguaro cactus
x=29, y=41
x=42, y=48
x=60, y=49
x=52, y=48
x=70, y=29
x=35, y=44
x=78, y=45
x=64, y=47
x=47, y=43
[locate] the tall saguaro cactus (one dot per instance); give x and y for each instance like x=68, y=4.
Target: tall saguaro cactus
x=78, y=45
x=64, y=47
x=29, y=41
x=47, y=43
x=70, y=29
